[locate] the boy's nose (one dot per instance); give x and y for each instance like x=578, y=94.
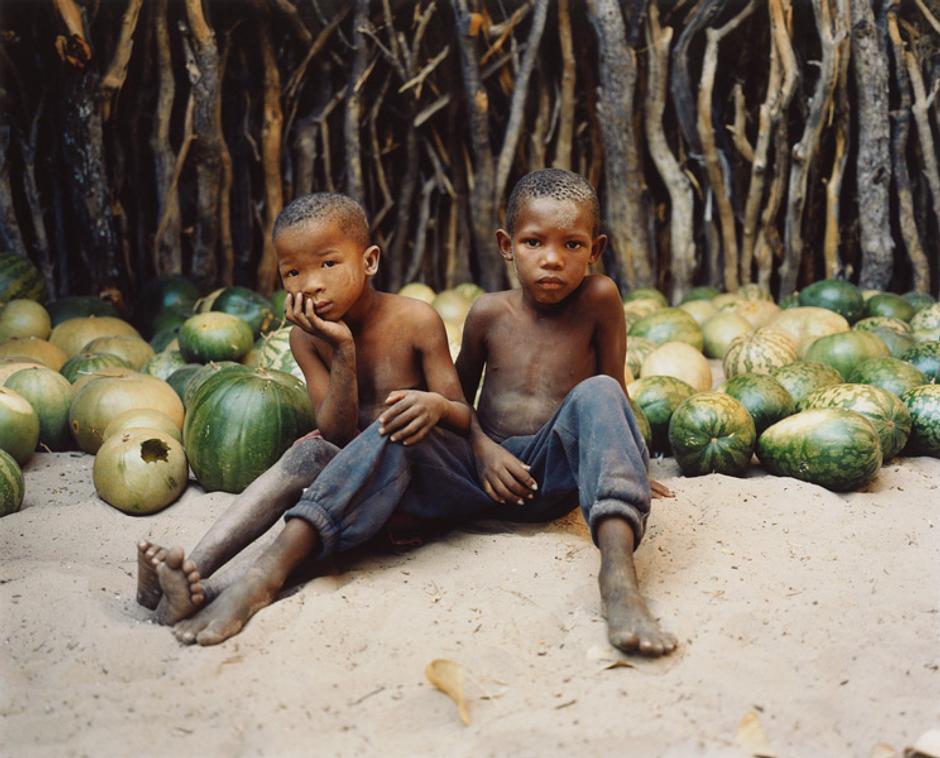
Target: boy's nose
x=551, y=258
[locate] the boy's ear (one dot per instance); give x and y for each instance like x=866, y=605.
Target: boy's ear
x=505, y=244
x=370, y=257
x=597, y=247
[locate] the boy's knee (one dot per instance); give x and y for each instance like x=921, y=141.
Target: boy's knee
x=603, y=390
x=307, y=456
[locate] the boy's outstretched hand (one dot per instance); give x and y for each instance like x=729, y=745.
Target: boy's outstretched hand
x=300, y=311
x=505, y=478
x=411, y=415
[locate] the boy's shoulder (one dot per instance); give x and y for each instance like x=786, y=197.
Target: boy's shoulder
x=410, y=308
x=599, y=288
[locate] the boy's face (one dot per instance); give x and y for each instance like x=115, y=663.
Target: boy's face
x=320, y=262
x=551, y=248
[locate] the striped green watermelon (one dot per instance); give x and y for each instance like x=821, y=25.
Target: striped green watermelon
x=11, y=485
x=763, y=396
x=88, y=363
x=891, y=305
x=135, y=351
x=927, y=318
x=645, y=293
x=79, y=306
x=712, y=433
x=831, y=447
x=179, y=379
x=801, y=378
x=643, y=423
x=19, y=425
x=214, y=337
x=20, y=279
x=239, y=423
x=162, y=365
x=925, y=356
x=169, y=291
x=669, y=325
x=887, y=413
x=658, y=397
x=875, y=323
x=164, y=339
x=927, y=335
x=721, y=330
x=760, y=352
x=919, y=300
x=274, y=352
x=924, y=406
x=891, y=374
x=634, y=310
x=844, y=351
x=50, y=395
x=837, y=295
x=251, y=307
x=897, y=344
x=206, y=372
x=638, y=348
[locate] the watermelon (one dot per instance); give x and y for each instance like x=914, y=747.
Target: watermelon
x=681, y=361
x=726, y=301
x=168, y=339
x=20, y=279
x=74, y=334
x=173, y=291
x=214, y=337
x=807, y=324
x=927, y=335
x=700, y=293
x=890, y=305
x=669, y=325
x=891, y=374
x=19, y=426
x=760, y=352
x=11, y=485
x=637, y=350
x=50, y=395
x=87, y=363
x=36, y=349
x=801, y=378
x=205, y=372
x=700, y=310
x=253, y=416
x=844, y=351
x=451, y=306
x=925, y=357
x=836, y=295
x=133, y=350
x=886, y=412
x=763, y=396
x=712, y=433
x=251, y=307
x=658, y=397
x=646, y=293
x=418, y=291
x=143, y=418
x=79, y=306
x=757, y=313
x=180, y=378
x=140, y=471
x=876, y=323
x=24, y=318
x=162, y=365
x=170, y=318
x=926, y=318
x=897, y=344
x=924, y=406
x=643, y=423
x=278, y=299
x=721, y=330
x=919, y=300
x=831, y=447
x=637, y=309
x=274, y=352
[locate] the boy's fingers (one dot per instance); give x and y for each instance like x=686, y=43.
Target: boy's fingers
x=488, y=489
x=521, y=472
x=394, y=396
x=413, y=427
x=516, y=490
x=399, y=419
x=414, y=439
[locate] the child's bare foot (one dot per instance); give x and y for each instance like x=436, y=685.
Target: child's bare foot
x=630, y=627
x=148, y=585
x=182, y=591
x=229, y=612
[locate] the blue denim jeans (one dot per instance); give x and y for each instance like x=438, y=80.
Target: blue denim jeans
x=590, y=452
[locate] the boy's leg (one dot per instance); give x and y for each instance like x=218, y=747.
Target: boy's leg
x=182, y=589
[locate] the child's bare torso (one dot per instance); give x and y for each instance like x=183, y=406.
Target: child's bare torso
x=533, y=360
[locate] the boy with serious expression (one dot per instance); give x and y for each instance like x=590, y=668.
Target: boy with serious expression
x=370, y=359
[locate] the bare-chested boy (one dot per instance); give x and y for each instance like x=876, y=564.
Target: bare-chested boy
x=364, y=355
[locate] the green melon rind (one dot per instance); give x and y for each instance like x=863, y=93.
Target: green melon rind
x=845, y=350
x=891, y=374
x=214, y=336
x=831, y=447
x=925, y=357
x=924, y=406
x=891, y=305
x=760, y=352
x=668, y=325
x=11, y=485
x=836, y=295
x=712, y=433
x=802, y=377
x=20, y=279
x=643, y=423
x=88, y=363
x=763, y=396
x=50, y=394
x=658, y=397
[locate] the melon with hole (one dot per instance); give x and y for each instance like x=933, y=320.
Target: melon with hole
x=451, y=305
x=721, y=330
x=19, y=425
x=700, y=293
x=846, y=350
x=763, y=396
x=11, y=485
x=886, y=412
x=135, y=351
x=35, y=348
x=890, y=374
x=923, y=403
x=801, y=378
x=87, y=363
x=418, y=291
x=759, y=352
x=239, y=423
x=140, y=471
x=669, y=325
x=74, y=334
x=50, y=394
x=79, y=306
x=251, y=307
x=162, y=365
x=143, y=418
x=700, y=310
x=712, y=433
x=681, y=361
x=658, y=397
x=20, y=279
x=925, y=357
x=835, y=295
x=926, y=318
x=214, y=336
x=634, y=310
x=100, y=401
x=919, y=300
x=645, y=293
x=807, y=324
x=832, y=447
x=890, y=305
x=638, y=348
x=24, y=318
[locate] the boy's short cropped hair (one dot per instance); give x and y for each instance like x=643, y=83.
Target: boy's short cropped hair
x=556, y=183
x=322, y=207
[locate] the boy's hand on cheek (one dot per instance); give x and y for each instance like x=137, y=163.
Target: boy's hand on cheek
x=300, y=311
x=411, y=415
x=505, y=478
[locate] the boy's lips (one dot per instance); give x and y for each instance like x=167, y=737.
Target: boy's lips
x=324, y=306
x=550, y=282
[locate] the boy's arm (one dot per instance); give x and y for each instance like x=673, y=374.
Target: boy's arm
x=334, y=391
x=610, y=334
x=412, y=414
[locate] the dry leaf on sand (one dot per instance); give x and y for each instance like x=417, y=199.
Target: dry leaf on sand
x=448, y=677
x=927, y=745
x=607, y=658
x=752, y=737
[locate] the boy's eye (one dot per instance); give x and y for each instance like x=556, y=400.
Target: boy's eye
x=573, y=244
x=329, y=264
x=530, y=243
x=292, y=272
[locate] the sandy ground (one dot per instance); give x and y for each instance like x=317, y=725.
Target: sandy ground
x=819, y=614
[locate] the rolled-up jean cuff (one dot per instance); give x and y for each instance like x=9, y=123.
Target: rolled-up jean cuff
x=605, y=508
x=319, y=519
